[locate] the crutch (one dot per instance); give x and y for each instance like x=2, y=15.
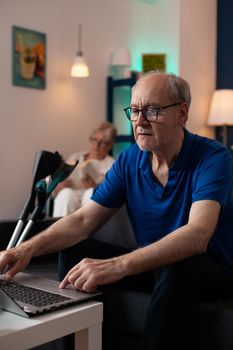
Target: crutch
x=46, y=163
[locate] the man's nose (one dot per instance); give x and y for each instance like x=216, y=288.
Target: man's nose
x=141, y=118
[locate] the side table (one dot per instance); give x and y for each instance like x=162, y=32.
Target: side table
x=85, y=320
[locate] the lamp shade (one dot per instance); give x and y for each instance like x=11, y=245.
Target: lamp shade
x=221, y=108
x=120, y=57
x=79, y=68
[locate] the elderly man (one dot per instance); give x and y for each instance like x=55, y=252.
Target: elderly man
x=177, y=188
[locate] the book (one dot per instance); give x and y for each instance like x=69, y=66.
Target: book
x=92, y=168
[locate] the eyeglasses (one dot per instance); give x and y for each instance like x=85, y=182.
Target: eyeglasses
x=99, y=142
x=150, y=114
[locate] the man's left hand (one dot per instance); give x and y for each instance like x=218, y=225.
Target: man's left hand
x=91, y=273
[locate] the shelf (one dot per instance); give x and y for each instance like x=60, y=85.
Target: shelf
x=124, y=139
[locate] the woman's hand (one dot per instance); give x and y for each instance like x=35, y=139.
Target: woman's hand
x=87, y=182
x=64, y=184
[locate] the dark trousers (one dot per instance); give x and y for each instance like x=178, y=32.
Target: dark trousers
x=175, y=289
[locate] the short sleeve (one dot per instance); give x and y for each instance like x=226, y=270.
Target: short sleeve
x=214, y=177
x=110, y=193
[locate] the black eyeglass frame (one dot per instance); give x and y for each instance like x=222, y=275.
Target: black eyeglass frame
x=153, y=118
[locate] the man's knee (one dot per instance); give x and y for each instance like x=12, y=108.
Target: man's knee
x=179, y=278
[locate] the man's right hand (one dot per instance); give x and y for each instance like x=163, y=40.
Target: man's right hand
x=15, y=260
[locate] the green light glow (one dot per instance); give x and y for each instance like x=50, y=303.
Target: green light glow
x=121, y=98
x=172, y=64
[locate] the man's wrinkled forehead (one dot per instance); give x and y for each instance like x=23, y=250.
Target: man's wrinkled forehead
x=151, y=89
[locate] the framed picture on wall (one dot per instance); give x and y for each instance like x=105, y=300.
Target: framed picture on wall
x=154, y=62
x=28, y=58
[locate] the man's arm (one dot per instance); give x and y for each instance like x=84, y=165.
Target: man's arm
x=63, y=234
x=188, y=240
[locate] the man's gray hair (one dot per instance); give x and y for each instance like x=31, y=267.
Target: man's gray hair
x=179, y=88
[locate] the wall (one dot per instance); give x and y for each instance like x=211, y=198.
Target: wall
x=61, y=117
x=198, y=58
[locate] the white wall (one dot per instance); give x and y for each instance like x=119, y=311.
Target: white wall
x=61, y=117
x=198, y=26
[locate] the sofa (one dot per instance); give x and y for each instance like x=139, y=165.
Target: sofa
x=125, y=310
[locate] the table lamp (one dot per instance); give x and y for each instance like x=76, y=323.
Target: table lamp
x=221, y=111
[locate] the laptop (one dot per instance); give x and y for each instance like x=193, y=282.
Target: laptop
x=28, y=295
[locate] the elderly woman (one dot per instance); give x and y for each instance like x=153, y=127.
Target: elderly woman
x=73, y=192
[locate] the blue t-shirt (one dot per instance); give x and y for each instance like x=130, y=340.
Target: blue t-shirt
x=203, y=170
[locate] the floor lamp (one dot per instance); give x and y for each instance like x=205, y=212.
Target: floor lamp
x=221, y=111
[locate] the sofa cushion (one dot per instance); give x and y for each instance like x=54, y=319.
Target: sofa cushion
x=118, y=230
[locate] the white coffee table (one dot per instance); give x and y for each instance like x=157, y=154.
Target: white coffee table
x=85, y=320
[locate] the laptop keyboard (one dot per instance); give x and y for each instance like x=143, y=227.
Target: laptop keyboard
x=30, y=295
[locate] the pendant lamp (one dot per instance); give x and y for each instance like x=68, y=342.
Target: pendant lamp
x=79, y=68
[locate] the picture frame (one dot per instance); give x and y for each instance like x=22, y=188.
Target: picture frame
x=154, y=62
x=28, y=58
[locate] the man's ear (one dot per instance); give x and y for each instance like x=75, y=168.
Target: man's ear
x=183, y=116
